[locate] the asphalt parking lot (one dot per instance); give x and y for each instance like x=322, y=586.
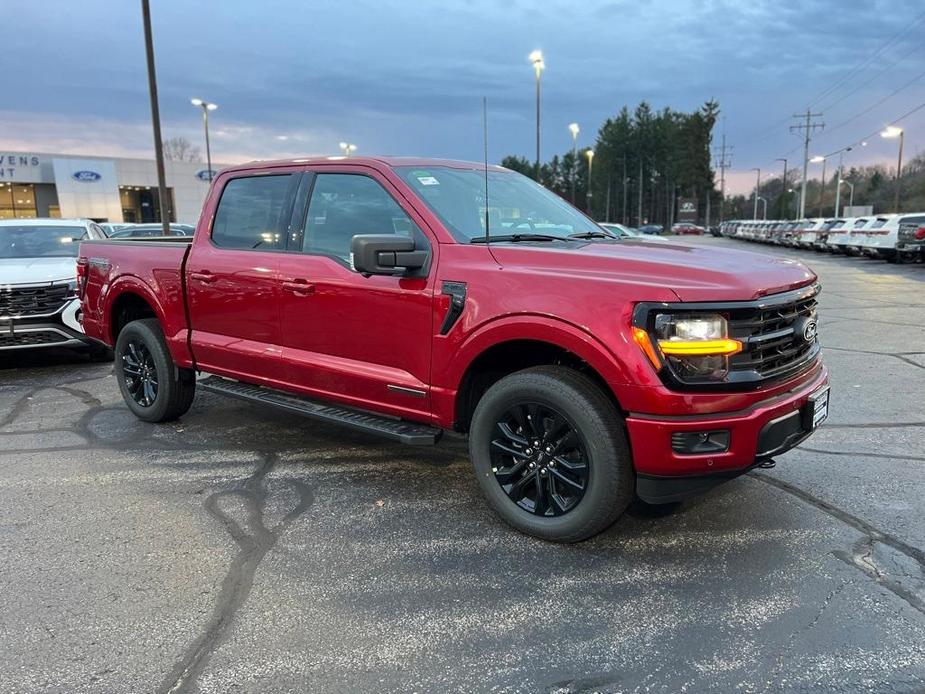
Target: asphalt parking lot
x=241, y=549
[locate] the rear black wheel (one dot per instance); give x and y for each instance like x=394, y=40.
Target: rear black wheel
x=550, y=454
x=153, y=387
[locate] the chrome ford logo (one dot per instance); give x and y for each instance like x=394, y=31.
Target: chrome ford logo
x=809, y=330
x=86, y=176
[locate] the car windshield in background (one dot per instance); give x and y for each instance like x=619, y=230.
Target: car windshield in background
x=517, y=205
x=32, y=241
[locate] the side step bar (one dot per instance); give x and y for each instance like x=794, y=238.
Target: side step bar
x=380, y=425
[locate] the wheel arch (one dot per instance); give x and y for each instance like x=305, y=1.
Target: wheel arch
x=512, y=345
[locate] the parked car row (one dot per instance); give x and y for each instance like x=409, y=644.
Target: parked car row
x=890, y=237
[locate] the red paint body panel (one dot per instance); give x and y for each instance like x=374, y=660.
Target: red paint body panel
x=347, y=338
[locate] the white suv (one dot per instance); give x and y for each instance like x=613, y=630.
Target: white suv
x=38, y=282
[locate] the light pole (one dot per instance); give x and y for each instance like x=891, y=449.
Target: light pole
x=536, y=57
x=347, y=148
x=816, y=160
x=851, y=197
x=783, y=189
x=764, y=213
x=590, y=155
x=155, y=119
x=206, y=107
x=893, y=131
x=757, y=186
x=574, y=129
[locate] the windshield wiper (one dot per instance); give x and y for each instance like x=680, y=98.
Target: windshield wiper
x=514, y=238
x=592, y=235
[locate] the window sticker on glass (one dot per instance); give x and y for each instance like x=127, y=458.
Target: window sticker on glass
x=428, y=181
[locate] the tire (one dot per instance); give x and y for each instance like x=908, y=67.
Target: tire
x=142, y=342
x=600, y=440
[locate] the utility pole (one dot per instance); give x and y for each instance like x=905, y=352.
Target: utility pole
x=757, y=190
x=807, y=129
x=639, y=186
x=784, y=209
x=155, y=120
x=623, y=209
x=724, y=161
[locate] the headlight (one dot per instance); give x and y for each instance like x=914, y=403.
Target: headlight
x=694, y=346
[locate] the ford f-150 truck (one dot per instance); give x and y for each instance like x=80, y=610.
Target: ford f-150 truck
x=406, y=297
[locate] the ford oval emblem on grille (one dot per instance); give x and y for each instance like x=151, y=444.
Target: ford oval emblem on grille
x=809, y=330
x=86, y=176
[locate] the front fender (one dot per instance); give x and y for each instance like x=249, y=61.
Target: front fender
x=453, y=358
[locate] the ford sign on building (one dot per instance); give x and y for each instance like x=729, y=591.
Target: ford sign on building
x=34, y=184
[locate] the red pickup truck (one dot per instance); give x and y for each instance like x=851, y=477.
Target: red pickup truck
x=405, y=297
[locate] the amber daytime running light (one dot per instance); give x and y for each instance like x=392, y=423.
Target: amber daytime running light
x=686, y=336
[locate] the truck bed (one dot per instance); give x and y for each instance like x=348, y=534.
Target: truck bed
x=150, y=269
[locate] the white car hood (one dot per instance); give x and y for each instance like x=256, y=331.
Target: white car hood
x=36, y=270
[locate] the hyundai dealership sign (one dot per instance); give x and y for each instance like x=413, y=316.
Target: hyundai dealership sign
x=86, y=176
x=206, y=174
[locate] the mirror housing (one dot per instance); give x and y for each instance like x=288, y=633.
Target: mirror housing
x=385, y=254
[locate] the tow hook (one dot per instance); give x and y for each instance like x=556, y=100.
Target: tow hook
x=766, y=464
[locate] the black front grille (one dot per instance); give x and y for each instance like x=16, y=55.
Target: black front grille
x=773, y=336
x=30, y=339
x=32, y=301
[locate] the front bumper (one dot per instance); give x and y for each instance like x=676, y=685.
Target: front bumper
x=756, y=434
x=62, y=329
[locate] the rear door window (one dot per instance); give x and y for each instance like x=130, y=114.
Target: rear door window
x=251, y=213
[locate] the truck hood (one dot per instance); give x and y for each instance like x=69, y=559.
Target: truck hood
x=36, y=270
x=692, y=272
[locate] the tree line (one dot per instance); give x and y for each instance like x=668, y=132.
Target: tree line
x=873, y=185
x=643, y=164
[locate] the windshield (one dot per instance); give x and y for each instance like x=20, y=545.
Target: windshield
x=31, y=241
x=517, y=205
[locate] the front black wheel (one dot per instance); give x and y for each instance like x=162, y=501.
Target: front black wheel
x=550, y=454
x=153, y=387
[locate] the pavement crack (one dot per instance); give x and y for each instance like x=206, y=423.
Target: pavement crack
x=863, y=551
x=883, y=456
x=254, y=539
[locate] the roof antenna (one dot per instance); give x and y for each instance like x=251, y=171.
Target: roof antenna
x=485, y=140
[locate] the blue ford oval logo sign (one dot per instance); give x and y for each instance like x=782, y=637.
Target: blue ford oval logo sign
x=86, y=176
x=206, y=174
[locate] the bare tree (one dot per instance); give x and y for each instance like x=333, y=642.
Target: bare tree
x=180, y=149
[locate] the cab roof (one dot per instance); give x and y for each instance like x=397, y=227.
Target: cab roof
x=373, y=161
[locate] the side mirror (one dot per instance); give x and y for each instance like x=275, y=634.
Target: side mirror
x=385, y=254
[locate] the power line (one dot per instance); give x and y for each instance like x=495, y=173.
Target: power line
x=863, y=84
x=864, y=63
x=881, y=101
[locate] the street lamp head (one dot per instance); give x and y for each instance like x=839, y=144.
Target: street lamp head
x=891, y=131
x=573, y=127
x=589, y=154
x=536, y=57
x=211, y=107
x=195, y=101
x=817, y=159
x=343, y=145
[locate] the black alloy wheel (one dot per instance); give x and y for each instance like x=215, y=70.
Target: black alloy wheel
x=539, y=459
x=140, y=373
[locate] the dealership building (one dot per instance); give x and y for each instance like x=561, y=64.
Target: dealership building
x=105, y=189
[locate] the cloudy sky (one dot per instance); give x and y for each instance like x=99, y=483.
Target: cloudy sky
x=296, y=77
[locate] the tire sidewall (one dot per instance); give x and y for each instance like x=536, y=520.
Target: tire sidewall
x=597, y=438
x=139, y=330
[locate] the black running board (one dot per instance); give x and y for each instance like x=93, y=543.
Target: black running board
x=380, y=425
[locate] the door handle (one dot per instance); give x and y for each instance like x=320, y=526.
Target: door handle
x=300, y=287
x=204, y=276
